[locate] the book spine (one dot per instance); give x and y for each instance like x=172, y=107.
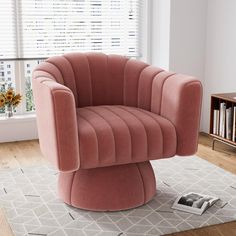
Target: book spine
x=222, y=119
x=215, y=121
x=220, y=128
x=229, y=123
x=234, y=125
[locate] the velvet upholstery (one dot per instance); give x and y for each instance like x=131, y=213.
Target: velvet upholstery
x=110, y=188
x=97, y=111
x=57, y=123
x=114, y=135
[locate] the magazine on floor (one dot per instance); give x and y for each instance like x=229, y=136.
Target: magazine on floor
x=195, y=203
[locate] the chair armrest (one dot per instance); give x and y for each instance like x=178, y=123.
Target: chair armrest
x=57, y=123
x=181, y=104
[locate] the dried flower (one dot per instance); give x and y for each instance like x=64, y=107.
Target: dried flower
x=2, y=100
x=9, y=98
x=16, y=103
x=10, y=92
x=16, y=100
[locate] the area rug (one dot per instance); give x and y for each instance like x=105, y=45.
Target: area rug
x=29, y=197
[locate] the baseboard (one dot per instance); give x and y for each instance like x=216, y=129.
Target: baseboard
x=204, y=134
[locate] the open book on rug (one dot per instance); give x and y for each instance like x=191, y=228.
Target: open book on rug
x=195, y=203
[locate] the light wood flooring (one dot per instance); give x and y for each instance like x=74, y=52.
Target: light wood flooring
x=28, y=153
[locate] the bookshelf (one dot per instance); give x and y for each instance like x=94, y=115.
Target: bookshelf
x=223, y=118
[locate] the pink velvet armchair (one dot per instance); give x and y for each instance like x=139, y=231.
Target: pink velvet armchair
x=102, y=118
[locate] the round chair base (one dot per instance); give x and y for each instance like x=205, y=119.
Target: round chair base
x=110, y=188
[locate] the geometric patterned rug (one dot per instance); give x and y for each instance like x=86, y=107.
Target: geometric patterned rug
x=29, y=197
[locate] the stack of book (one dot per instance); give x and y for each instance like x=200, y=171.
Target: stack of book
x=224, y=122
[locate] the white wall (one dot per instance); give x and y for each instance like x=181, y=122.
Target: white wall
x=220, y=57
x=160, y=33
x=188, y=37
x=179, y=35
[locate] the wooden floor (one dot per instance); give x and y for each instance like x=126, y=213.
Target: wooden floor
x=28, y=153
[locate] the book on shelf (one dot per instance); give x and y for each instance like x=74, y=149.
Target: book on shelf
x=234, y=124
x=222, y=119
x=229, y=123
x=216, y=118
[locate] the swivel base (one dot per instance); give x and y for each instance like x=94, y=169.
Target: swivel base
x=110, y=188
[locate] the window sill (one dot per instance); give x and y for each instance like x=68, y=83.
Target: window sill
x=18, y=118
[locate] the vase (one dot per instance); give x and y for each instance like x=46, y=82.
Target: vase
x=9, y=111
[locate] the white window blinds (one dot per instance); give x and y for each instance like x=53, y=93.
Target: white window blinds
x=7, y=29
x=53, y=27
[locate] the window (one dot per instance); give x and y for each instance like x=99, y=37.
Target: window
x=35, y=29
x=54, y=27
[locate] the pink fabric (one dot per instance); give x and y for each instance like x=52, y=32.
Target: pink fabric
x=157, y=88
x=145, y=86
x=133, y=70
x=108, y=188
x=57, y=126
x=181, y=104
x=112, y=135
x=169, y=116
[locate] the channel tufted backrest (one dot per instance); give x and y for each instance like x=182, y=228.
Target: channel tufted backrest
x=99, y=79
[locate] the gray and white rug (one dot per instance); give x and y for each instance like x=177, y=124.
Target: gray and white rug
x=29, y=197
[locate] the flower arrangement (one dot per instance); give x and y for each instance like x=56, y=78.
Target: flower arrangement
x=10, y=98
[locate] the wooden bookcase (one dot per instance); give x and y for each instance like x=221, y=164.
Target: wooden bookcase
x=216, y=99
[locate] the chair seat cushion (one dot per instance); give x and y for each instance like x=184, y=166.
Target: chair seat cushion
x=114, y=135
